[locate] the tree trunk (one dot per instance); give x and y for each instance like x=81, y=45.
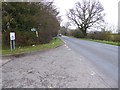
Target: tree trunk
x=84, y=32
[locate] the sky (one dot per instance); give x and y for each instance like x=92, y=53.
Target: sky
x=110, y=9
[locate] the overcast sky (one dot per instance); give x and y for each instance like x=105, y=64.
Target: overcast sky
x=110, y=6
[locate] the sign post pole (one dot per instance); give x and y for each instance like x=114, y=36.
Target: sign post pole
x=14, y=44
x=11, y=45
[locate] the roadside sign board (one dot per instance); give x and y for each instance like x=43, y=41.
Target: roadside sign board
x=33, y=29
x=12, y=40
x=12, y=36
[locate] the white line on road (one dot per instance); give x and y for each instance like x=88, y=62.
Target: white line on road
x=67, y=47
x=92, y=73
x=64, y=42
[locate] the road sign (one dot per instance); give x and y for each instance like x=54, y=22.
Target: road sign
x=12, y=36
x=12, y=40
x=33, y=29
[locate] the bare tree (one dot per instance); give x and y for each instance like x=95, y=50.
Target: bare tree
x=86, y=14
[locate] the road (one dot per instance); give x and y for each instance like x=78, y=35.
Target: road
x=103, y=57
x=76, y=64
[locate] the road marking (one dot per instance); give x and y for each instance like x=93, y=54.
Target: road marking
x=92, y=73
x=64, y=42
x=69, y=49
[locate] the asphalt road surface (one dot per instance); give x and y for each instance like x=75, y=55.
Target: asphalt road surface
x=76, y=64
x=103, y=57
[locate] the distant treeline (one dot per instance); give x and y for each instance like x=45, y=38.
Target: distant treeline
x=96, y=35
x=21, y=17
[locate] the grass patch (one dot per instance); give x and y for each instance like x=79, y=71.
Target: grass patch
x=54, y=43
x=103, y=41
x=100, y=41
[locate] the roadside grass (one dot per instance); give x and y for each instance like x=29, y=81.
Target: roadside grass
x=100, y=41
x=27, y=49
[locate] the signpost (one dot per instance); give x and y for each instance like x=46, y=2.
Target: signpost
x=12, y=40
x=34, y=30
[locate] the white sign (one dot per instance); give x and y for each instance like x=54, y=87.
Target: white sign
x=33, y=29
x=12, y=36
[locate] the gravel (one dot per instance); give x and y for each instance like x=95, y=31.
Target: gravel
x=56, y=68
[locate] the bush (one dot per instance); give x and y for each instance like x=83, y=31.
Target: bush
x=75, y=33
x=99, y=35
x=104, y=35
x=22, y=38
x=21, y=17
x=93, y=35
x=115, y=38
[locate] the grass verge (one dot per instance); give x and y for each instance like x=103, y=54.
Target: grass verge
x=54, y=43
x=103, y=41
x=100, y=41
